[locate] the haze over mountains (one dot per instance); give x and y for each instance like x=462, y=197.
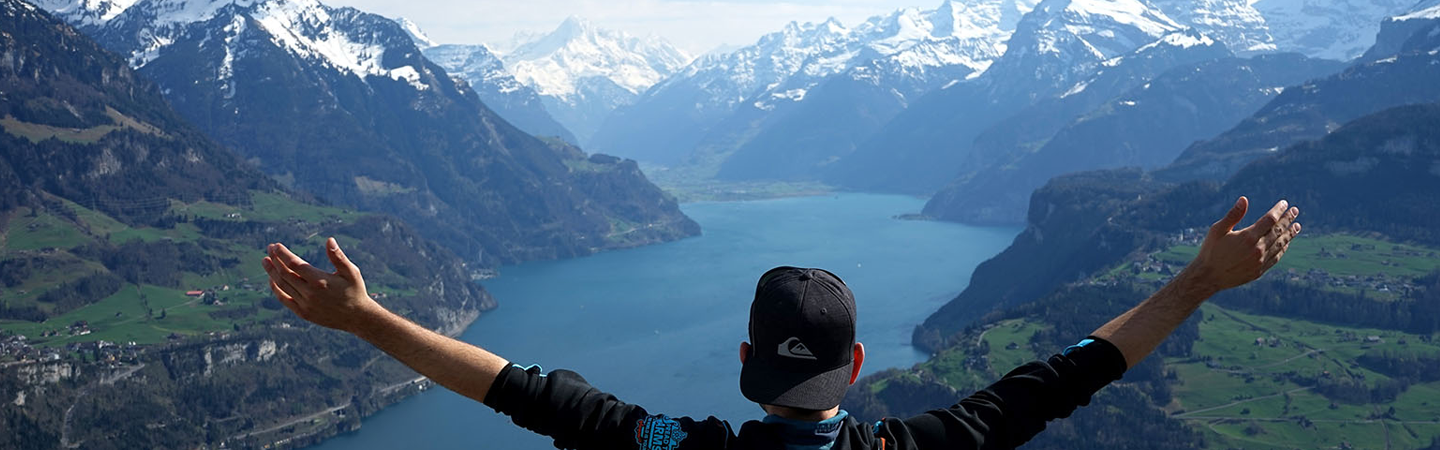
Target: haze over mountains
x=152, y=146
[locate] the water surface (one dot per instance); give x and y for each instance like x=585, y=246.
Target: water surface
x=660, y=326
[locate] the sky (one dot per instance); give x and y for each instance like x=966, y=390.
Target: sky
x=697, y=26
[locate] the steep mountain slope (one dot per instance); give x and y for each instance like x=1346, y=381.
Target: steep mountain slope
x=1147, y=125
x=770, y=91
x=514, y=101
x=1375, y=174
x=342, y=103
x=1053, y=47
x=1316, y=108
x=1331, y=29
x=111, y=209
x=584, y=72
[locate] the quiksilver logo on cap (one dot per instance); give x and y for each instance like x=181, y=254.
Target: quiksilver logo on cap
x=793, y=348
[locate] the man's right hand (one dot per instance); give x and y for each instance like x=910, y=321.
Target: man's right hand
x=1229, y=258
x=334, y=300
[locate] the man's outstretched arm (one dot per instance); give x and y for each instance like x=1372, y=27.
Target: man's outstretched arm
x=561, y=405
x=338, y=300
x=1017, y=407
x=1228, y=258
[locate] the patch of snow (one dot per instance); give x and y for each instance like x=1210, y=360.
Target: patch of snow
x=1432, y=12
x=950, y=84
x=794, y=95
x=1078, y=88
x=1180, y=40
x=1386, y=60
x=408, y=74
x=1127, y=102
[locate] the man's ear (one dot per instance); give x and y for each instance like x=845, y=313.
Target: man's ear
x=744, y=351
x=859, y=361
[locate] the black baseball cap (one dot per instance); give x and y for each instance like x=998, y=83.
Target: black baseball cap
x=802, y=335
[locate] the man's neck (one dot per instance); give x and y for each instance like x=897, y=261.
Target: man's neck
x=801, y=414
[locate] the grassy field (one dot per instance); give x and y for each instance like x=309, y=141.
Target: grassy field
x=37, y=132
x=149, y=313
x=1242, y=393
x=41, y=232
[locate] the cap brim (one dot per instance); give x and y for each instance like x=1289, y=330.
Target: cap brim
x=769, y=385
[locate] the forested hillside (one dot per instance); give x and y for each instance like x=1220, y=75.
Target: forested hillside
x=133, y=313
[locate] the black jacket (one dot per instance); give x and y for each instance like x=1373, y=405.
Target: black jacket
x=1002, y=416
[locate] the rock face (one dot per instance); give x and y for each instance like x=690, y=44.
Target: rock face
x=342, y=103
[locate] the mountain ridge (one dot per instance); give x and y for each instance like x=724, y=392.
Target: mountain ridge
x=392, y=131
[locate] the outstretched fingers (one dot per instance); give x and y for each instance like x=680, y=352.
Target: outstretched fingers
x=284, y=298
x=289, y=281
x=1277, y=249
x=295, y=263
x=1267, y=222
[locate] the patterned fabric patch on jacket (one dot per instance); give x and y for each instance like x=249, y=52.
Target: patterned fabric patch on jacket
x=658, y=432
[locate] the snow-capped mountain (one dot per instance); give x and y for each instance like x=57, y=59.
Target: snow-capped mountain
x=1054, y=46
x=513, y=100
x=343, y=104
x=584, y=72
x=908, y=52
x=143, y=30
x=1062, y=40
x=1331, y=29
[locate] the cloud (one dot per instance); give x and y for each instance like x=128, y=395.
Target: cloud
x=695, y=25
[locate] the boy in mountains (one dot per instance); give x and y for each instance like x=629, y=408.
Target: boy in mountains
x=801, y=357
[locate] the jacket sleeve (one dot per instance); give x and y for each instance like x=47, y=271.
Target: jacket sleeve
x=563, y=406
x=1013, y=410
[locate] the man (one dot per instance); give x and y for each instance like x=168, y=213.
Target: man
x=802, y=359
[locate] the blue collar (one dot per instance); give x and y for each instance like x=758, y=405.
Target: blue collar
x=799, y=434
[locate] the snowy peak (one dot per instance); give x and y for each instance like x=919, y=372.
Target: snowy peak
x=1102, y=28
x=342, y=39
x=908, y=43
x=416, y=34
x=557, y=63
x=1234, y=22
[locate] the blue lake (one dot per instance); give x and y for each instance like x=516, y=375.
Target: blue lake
x=660, y=326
